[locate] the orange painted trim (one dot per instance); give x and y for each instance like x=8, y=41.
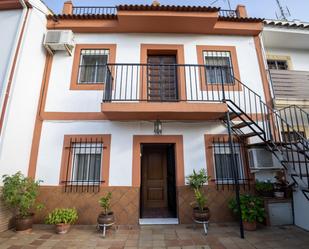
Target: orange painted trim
x=10, y=4
x=164, y=111
x=179, y=159
x=66, y=161
x=73, y=116
x=174, y=49
x=210, y=165
x=39, y=121
x=76, y=61
x=12, y=72
x=266, y=84
x=202, y=74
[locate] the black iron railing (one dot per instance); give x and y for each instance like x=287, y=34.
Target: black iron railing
x=228, y=13
x=91, y=10
x=167, y=83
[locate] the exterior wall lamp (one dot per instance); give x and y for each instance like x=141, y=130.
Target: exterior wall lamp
x=157, y=127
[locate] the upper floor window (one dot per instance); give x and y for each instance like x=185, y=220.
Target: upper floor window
x=223, y=161
x=92, y=67
x=277, y=64
x=219, y=67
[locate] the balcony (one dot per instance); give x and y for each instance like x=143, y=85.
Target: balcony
x=166, y=92
x=290, y=87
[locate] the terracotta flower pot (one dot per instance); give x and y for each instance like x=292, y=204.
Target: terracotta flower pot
x=62, y=228
x=201, y=215
x=23, y=223
x=106, y=218
x=249, y=226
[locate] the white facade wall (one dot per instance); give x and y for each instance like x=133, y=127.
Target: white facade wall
x=9, y=22
x=21, y=110
x=51, y=145
x=61, y=99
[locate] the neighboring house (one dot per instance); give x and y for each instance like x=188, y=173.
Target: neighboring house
x=142, y=96
x=21, y=68
x=287, y=53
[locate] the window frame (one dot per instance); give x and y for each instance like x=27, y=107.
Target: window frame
x=207, y=86
x=276, y=64
x=76, y=64
x=67, y=157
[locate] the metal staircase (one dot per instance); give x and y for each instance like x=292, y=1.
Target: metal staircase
x=281, y=131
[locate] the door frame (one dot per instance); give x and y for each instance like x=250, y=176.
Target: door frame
x=177, y=140
x=176, y=49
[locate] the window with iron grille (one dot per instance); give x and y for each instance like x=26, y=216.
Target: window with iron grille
x=223, y=161
x=92, y=66
x=292, y=136
x=277, y=64
x=219, y=67
x=84, y=162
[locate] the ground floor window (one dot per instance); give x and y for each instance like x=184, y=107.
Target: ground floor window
x=85, y=162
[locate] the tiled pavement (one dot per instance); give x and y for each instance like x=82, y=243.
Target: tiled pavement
x=221, y=236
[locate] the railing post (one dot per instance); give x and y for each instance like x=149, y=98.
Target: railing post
x=235, y=175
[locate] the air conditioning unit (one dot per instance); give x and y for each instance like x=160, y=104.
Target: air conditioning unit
x=59, y=40
x=261, y=159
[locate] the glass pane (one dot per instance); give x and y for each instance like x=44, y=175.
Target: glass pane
x=92, y=68
x=80, y=167
x=95, y=167
x=223, y=165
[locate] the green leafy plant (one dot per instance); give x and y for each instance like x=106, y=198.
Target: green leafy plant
x=252, y=208
x=105, y=203
x=19, y=193
x=62, y=216
x=264, y=186
x=196, y=181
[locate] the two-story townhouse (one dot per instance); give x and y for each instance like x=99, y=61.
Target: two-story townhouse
x=141, y=103
x=287, y=54
x=21, y=68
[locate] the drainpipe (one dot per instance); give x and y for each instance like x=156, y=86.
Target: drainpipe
x=12, y=63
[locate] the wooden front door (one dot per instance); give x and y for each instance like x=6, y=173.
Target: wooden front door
x=154, y=177
x=162, y=78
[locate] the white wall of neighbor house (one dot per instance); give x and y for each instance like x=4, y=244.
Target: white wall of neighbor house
x=299, y=57
x=9, y=22
x=60, y=98
x=51, y=145
x=15, y=144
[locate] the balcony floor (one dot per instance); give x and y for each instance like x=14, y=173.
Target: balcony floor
x=163, y=111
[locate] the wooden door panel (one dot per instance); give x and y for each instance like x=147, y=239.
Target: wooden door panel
x=154, y=174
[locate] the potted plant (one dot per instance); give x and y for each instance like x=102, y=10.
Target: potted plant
x=106, y=217
x=19, y=193
x=252, y=210
x=196, y=181
x=281, y=187
x=265, y=189
x=62, y=218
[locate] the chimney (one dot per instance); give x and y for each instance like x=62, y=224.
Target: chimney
x=241, y=11
x=67, y=8
x=155, y=3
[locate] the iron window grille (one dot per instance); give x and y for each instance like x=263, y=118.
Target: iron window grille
x=84, y=165
x=277, y=64
x=219, y=69
x=225, y=174
x=92, y=66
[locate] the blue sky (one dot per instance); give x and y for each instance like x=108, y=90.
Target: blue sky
x=258, y=8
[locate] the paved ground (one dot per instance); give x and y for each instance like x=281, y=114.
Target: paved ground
x=221, y=236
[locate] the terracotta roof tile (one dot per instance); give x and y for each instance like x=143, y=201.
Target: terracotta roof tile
x=83, y=16
x=287, y=24
x=240, y=19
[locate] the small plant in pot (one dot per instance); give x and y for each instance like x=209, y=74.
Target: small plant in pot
x=62, y=218
x=281, y=187
x=106, y=217
x=252, y=210
x=196, y=181
x=19, y=193
x=265, y=189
